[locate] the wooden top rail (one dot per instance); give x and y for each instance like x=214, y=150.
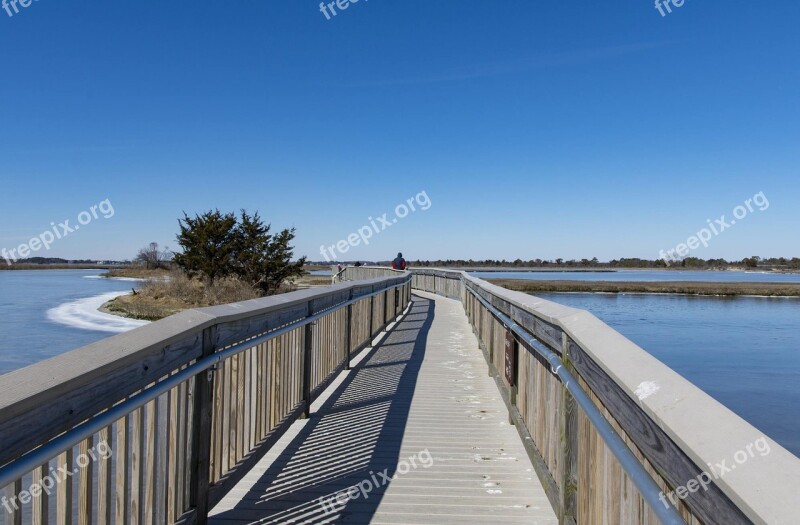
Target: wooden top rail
x=48, y=398
x=680, y=430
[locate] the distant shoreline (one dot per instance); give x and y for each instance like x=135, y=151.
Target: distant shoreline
x=19, y=267
x=672, y=287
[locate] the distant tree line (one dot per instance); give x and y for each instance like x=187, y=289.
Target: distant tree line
x=689, y=262
x=58, y=260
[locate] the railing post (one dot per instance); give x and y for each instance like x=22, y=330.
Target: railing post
x=349, y=328
x=510, y=360
x=491, y=340
x=201, y=444
x=385, y=307
x=568, y=432
x=371, y=315
x=308, y=351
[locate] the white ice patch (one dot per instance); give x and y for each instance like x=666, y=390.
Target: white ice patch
x=646, y=389
x=84, y=314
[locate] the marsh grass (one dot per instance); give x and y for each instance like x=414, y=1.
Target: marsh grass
x=171, y=293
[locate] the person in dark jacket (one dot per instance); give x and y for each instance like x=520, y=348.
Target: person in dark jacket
x=399, y=263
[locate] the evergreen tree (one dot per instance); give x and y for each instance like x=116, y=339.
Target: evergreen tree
x=208, y=244
x=216, y=245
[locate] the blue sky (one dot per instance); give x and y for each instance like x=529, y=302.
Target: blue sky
x=537, y=129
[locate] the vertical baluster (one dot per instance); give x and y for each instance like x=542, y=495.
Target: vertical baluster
x=179, y=503
x=252, y=398
x=240, y=407
x=171, y=480
x=12, y=507
x=134, y=507
x=85, y=482
x=233, y=395
x=162, y=457
x=41, y=503
x=189, y=439
x=122, y=466
x=218, y=440
x=148, y=463
x=225, y=416
x=258, y=392
x=348, y=327
x=64, y=490
x=103, y=454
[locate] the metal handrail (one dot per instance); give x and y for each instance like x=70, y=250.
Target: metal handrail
x=337, y=277
x=28, y=462
x=648, y=488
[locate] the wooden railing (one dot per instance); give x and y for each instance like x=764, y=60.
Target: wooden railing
x=359, y=273
x=157, y=424
x=679, y=434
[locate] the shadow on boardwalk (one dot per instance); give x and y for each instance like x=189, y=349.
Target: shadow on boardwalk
x=355, y=436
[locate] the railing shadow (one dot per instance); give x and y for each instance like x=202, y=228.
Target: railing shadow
x=355, y=437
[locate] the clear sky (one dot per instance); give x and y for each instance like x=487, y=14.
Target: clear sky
x=536, y=129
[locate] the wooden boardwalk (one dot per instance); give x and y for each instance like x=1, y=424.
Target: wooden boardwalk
x=416, y=428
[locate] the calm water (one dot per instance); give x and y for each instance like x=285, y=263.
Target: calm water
x=47, y=312
x=646, y=275
x=743, y=351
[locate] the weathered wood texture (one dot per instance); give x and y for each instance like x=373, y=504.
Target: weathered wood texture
x=169, y=460
x=588, y=484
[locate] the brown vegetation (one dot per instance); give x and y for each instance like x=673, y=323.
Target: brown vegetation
x=166, y=293
x=161, y=297
x=137, y=272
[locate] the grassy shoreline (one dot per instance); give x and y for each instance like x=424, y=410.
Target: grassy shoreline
x=136, y=273
x=164, y=293
x=676, y=287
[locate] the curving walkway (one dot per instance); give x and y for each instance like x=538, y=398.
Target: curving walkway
x=415, y=433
